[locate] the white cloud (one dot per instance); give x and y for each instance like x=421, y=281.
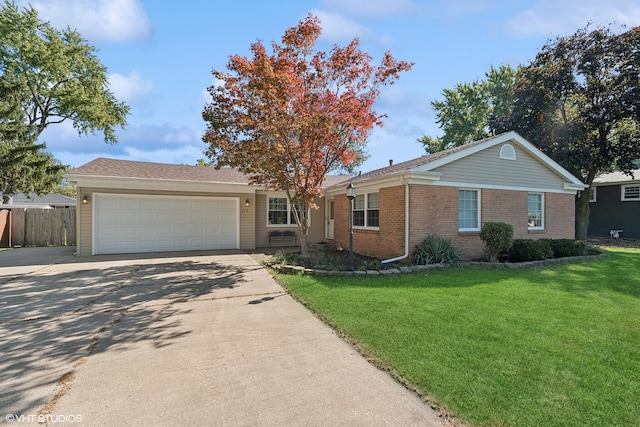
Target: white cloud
x=187, y=155
x=562, y=18
x=97, y=20
x=130, y=88
x=337, y=29
x=153, y=143
x=373, y=8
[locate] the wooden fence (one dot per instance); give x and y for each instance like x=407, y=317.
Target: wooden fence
x=37, y=227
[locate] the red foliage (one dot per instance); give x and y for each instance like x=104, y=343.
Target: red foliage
x=291, y=117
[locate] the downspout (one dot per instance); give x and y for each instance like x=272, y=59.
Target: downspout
x=406, y=227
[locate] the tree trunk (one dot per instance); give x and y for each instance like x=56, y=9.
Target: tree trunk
x=582, y=214
x=304, y=243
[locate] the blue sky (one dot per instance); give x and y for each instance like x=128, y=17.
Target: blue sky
x=159, y=57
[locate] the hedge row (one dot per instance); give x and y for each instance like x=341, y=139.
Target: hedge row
x=533, y=250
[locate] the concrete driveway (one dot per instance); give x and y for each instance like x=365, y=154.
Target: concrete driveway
x=177, y=339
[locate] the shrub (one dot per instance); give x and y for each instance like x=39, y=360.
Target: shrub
x=530, y=250
x=497, y=237
x=282, y=257
x=566, y=247
x=435, y=249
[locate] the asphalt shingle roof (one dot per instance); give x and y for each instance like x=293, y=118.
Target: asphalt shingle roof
x=46, y=199
x=102, y=167
x=132, y=169
x=617, y=177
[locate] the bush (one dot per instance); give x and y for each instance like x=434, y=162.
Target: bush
x=435, y=249
x=530, y=250
x=497, y=237
x=566, y=247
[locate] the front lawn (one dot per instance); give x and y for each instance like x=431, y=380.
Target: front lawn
x=549, y=346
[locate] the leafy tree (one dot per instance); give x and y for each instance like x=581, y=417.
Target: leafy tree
x=467, y=110
x=579, y=101
x=47, y=76
x=58, y=74
x=290, y=117
x=67, y=189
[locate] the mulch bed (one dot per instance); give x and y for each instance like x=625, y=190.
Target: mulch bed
x=616, y=243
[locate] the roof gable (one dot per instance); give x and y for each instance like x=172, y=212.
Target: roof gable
x=511, y=138
x=428, y=164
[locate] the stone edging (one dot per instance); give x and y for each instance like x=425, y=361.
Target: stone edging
x=295, y=269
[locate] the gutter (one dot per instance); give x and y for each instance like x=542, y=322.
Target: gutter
x=406, y=226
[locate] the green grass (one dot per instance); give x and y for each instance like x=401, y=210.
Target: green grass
x=549, y=346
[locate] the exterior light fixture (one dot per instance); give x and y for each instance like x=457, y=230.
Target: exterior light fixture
x=351, y=195
x=246, y=203
x=85, y=199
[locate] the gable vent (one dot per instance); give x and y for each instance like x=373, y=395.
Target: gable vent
x=507, y=152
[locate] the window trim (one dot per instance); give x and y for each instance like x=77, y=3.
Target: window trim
x=542, y=215
x=365, y=211
x=478, y=210
x=507, y=152
x=623, y=194
x=291, y=222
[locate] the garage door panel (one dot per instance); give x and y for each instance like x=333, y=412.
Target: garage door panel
x=140, y=223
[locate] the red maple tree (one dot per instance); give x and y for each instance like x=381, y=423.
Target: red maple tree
x=290, y=117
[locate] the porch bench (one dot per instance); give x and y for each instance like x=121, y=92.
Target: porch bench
x=283, y=236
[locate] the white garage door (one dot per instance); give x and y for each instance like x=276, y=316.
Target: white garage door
x=140, y=223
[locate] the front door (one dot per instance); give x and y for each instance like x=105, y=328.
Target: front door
x=329, y=215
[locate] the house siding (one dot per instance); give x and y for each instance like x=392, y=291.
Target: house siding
x=609, y=212
x=315, y=232
x=486, y=168
x=84, y=224
x=434, y=210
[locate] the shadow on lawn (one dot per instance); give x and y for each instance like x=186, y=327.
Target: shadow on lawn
x=51, y=321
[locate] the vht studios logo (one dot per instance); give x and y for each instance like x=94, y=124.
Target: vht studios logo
x=42, y=419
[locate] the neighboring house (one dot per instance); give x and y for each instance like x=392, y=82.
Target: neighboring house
x=615, y=205
x=34, y=201
x=33, y=220
x=452, y=193
x=146, y=207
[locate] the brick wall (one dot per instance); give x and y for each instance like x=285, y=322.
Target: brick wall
x=388, y=240
x=434, y=210
x=560, y=216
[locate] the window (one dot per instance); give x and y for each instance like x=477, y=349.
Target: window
x=358, y=211
x=592, y=194
x=373, y=213
x=535, y=217
x=366, y=212
x=280, y=212
x=468, y=212
x=630, y=192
